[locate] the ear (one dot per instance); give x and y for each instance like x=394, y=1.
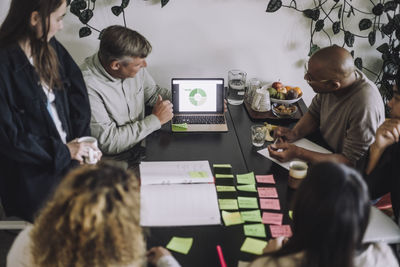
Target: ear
x=35, y=18
x=335, y=85
x=115, y=65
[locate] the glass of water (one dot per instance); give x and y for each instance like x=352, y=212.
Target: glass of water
x=258, y=133
x=236, y=86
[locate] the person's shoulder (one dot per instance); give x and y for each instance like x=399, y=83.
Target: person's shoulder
x=19, y=254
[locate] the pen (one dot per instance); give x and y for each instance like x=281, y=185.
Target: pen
x=221, y=256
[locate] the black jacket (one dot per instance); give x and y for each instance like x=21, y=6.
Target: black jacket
x=32, y=156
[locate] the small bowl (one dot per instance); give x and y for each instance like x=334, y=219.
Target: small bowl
x=284, y=111
x=286, y=102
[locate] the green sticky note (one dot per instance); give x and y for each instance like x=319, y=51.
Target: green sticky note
x=247, y=178
x=248, y=202
x=251, y=216
x=228, y=204
x=223, y=176
x=179, y=127
x=222, y=165
x=257, y=230
x=231, y=218
x=247, y=188
x=198, y=174
x=225, y=188
x=180, y=244
x=253, y=246
x=291, y=214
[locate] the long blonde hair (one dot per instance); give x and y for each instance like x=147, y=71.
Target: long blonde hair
x=92, y=220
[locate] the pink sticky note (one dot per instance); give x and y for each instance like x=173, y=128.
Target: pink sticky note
x=280, y=230
x=267, y=192
x=272, y=218
x=269, y=204
x=265, y=179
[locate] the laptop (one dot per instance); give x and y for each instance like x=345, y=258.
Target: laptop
x=198, y=105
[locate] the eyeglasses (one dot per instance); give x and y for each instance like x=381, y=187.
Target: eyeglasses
x=308, y=78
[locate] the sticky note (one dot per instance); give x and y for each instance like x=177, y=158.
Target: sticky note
x=291, y=214
x=217, y=176
x=198, y=174
x=228, y=204
x=253, y=246
x=251, y=215
x=180, y=244
x=280, y=230
x=247, y=188
x=225, y=188
x=267, y=192
x=248, y=202
x=179, y=127
x=247, y=178
x=232, y=218
x=222, y=165
x=269, y=204
x=257, y=230
x=272, y=218
x=265, y=179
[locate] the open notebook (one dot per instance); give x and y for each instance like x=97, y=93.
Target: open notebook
x=177, y=193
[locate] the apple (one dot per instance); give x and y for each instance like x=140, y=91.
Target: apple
x=277, y=85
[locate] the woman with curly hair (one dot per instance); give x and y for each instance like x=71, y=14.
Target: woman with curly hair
x=91, y=220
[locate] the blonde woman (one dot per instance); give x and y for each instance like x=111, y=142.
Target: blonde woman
x=92, y=220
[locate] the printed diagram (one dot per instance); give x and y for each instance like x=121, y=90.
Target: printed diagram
x=197, y=97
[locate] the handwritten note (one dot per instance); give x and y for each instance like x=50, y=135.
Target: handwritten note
x=180, y=244
x=247, y=188
x=253, y=246
x=280, y=230
x=272, y=218
x=268, y=192
x=228, y=204
x=218, y=176
x=265, y=179
x=247, y=178
x=251, y=215
x=232, y=218
x=269, y=204
x=257, y=230
x=225, y=188
x=248, y=202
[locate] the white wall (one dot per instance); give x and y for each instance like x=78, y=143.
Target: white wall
x=206, y=38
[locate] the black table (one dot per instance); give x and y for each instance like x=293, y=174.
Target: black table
x=233, y=147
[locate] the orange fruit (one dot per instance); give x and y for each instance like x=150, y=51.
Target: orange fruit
x=288, y=87
x=298, y=90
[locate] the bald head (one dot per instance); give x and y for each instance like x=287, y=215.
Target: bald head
x=334, y=62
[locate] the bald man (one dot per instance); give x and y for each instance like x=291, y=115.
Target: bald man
x=347, y=110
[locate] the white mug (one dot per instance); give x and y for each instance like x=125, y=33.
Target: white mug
x=261, y=101
x=92, y=158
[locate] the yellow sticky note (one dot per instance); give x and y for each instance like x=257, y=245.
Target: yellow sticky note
x=248, y=202
x=231, y=218
x=180, y=244
x=217, y=176
x=228, y=204
x=291, y=214
x=253, y=246
x=257, y=230
x=247, y=188
x=251, y=216
x=198, y=175
x=179, y=127
x=225, y=188
x=247, y=178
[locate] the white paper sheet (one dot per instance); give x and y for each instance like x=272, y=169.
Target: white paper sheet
x=179, y=205
x=175, y=172
x=304, y=143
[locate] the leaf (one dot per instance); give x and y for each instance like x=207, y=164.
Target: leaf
x=164, y=3
x=75, y=11
x=125, y=3
x=351, y=11
x=274, y=5
x=336, y=27
x=116, y=10
x=390, y=68
x=314, y=48
x=372, y=37
x=80, y=4
x=84, y=31
x=358, y=63
x=377, y=10
x=308, y=13
x=352, y=53
x=349, y=38
x=85, y=16
x=390, y=6
x=315, y=15
x=365, y=24
x=294, y=4
x=383, y=48
x=388, y=28
x=319, y=25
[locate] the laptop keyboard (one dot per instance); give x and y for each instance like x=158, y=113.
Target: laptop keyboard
x=200, y=119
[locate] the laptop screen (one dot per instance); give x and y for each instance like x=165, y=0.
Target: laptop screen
x=198, y=95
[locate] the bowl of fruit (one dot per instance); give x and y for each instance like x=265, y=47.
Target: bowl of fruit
x=284, y=110
x=284, y=94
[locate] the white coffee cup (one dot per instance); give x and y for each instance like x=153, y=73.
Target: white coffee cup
x=261, y=101
x=92, y=158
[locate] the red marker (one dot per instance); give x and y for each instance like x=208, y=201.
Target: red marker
x=221, y=256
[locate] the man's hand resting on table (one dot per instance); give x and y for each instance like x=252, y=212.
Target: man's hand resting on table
x=283, y=151
x=163, y=110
